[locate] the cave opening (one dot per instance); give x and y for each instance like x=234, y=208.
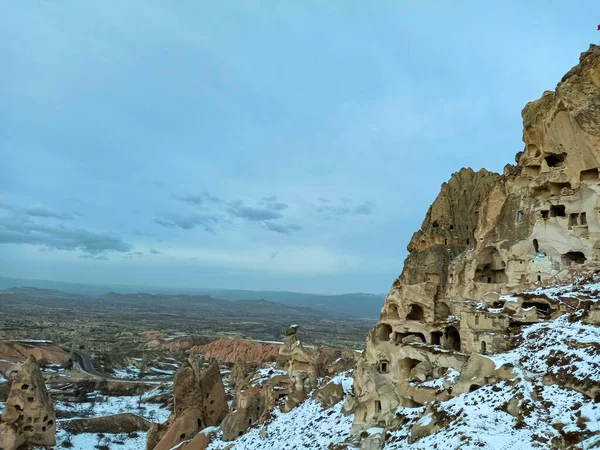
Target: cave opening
x=452, y=340
x=555, y=160
x=558, y=211
x=416, y=313
x=570, y=258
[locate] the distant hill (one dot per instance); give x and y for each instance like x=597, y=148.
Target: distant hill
x=344, y=305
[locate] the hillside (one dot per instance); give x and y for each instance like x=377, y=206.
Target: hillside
x=525, y=412
x=347, y=305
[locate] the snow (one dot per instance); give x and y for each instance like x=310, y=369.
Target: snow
x=562, y=346
x=584, y=289
x=128, y=373
x=306, y=426
x=163, y=371
x=89, y=441
x=565, y=348
x=266, y=373
x=107, y=406
x=345, y=380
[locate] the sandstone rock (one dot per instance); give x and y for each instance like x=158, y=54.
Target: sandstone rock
x=485, y=236
x=254, y=401
x=329, y=395
x=117, y=423
x=200, y=442
x=199, y=402
x=301, y=365
x=234, y=350
x=28, y=417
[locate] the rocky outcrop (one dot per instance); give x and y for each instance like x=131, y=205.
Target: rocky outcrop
x=11, y=353
x=233, y=350
x=255, y=399
x=199, y=402
x=117, y=423
x=485, y=237
x=28, y=417
x=301, y=366
x=329, y=394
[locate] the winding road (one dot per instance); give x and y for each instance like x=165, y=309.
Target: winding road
x=85, y=363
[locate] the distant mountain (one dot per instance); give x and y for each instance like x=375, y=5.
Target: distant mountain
x=344, y=305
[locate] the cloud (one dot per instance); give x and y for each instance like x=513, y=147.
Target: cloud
x=14, y=230
x=132, y=255
x=153, y=251
x=207, y=222
x=100, y=256
x=36, y=211
x=281, y=228
x=344, y=207
x=216, y=212
x=201, y=199
x=272, y=203
x=239, y=210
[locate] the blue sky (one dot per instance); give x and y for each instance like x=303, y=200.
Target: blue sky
x=257, y=145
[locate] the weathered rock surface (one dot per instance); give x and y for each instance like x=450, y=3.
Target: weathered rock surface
x=117, y=423
x=328, y=395
x=199, y=402
x=234, y=350
x=28, y=417
x=301, y=366
x=11, y=353
x=485, y=237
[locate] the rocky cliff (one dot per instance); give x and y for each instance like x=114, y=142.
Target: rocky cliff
x=487, y=236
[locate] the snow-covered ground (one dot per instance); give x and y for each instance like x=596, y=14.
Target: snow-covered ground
x=474, y=420
x=89, y=441
x=114, y=405
x=265, y=373
x=128, y=373
x=308, y=426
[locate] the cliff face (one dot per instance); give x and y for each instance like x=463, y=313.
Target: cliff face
x=487, y=235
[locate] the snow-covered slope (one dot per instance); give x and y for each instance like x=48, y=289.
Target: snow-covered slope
x=532, y=411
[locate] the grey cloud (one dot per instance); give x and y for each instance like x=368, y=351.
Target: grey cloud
x=281, y=228
x=345, y=207
x=132, y=255
x=100, y=256
x=200, y=199
x=216, y=212
x=17, y=231
x=207, y=222
x=272, y=203
x=365, y=209
x=153, y=251
x=36, y=211
x=251, y=213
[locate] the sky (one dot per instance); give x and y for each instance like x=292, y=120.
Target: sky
x=251, y=144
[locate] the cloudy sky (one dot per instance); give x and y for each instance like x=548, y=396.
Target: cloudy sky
x=257, y=145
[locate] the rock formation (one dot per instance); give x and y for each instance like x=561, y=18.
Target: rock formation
x=255, y=399
x=300, y=364
x=28, y=417
x=199, y=402
x=233, y=350
x=484, y=237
